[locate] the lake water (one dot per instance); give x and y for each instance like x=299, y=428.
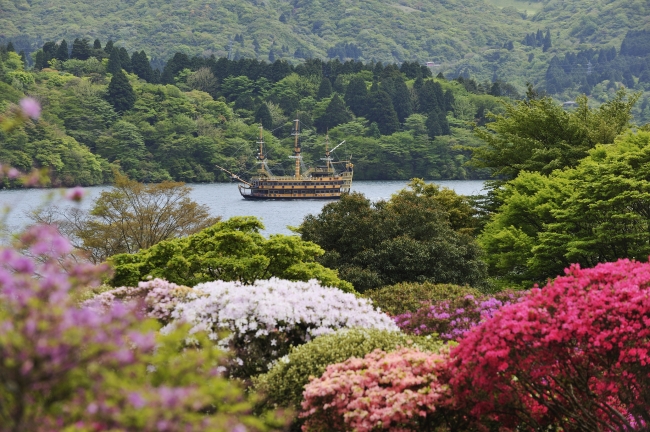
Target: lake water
x=222, y=199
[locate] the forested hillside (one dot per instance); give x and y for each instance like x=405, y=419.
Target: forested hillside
x=106, y=109
x=513, y=40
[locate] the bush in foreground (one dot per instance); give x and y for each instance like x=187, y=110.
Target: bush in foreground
x=284, y=384
x=411, y=296
x=68, y=368
x=265, y=319
x=573, y=354
x=396, y=391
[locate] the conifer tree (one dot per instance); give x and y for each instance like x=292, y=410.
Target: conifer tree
x=263, y=116
x=325, y=89
x=97, y=44
x=114, y=62
x=401, y=100
x=120, y=93
x=141, y=66
x=381, y=111
x=80, y=49
x=10, y=47
x=108, y=48
x=62, y=51
x=3, y=73
x=39, y=60
x=335, y=114
x=49, y=52
x=125, y=60
x=356, y=95
x=547, y=41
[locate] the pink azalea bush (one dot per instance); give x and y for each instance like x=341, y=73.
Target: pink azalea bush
x=451, y=319
x=397, y=391
x=64, y=367
x=573, y=354
x=260, y=322
x=157, y=297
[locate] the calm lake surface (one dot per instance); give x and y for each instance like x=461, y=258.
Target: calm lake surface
x=223, y=199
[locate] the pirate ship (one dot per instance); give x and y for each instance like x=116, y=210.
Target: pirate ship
x=320, y=182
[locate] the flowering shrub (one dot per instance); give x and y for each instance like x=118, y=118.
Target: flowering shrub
x=573, y=354
x=395, y=391
x=158, y=297
x=411, y=296
x=68, y=368
x=284, y=384
x=450, y=319
x=264, y=319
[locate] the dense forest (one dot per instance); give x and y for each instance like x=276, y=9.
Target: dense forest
x=512, y=40
x=107, y=109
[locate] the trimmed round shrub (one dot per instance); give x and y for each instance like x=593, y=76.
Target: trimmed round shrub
x=409, y=297
x=396, y=391
x=258, y=323
x=451, y=319
x=284, y=384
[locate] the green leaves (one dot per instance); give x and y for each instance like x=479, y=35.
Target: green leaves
x=233, y=250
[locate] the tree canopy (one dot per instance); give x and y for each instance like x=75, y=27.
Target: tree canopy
x=231, y=250
x=421, y=234
x=592, y=213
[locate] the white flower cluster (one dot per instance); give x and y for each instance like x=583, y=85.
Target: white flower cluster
x=275, y=305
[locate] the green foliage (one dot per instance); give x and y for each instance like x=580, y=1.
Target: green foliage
x=538, y=135
x=409, y=297
x=420, y=234
x=230, y=250
x=120, y=92
x=588, y=214
x=284, y=383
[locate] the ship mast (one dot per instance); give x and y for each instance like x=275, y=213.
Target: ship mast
x=296, y=147
x=327, y=152
x=260, y=156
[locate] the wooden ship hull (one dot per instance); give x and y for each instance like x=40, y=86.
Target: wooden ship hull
x=322, y=182
x=287, y=188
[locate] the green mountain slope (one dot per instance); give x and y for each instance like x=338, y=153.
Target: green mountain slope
x=384, y=30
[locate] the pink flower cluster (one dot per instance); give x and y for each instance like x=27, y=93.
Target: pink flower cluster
x=158, y=296
x=451, y=319
x=395, y=391
x=573, y=354
x=64, y=367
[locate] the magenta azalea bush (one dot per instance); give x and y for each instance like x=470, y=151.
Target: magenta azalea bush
x=260, y=322
x=451, y=319
x=397, y=391
x=64, y=367
x=572, y=355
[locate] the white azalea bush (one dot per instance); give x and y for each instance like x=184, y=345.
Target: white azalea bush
x=258, y=323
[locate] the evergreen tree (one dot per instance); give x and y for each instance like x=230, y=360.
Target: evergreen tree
x=381, y=111
x=97, y=44
x=120, y=93
x=176, y=64
x=3, y=73
x=437, y=124
x=356, y=95
x=141, y=66
x=80, y=49
x=401, y=100
x=39, y=60
x=23, y=58
x=114, y=62
x=325, y=89
x=271, y=55
x=547, y=41
x=62, y=51
x=10, y=47
x=263, y=116
x=335, y=114
x=431, y=97
x=449, y=100
x=49, y=52
x=108, y=48
x=125, y=60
